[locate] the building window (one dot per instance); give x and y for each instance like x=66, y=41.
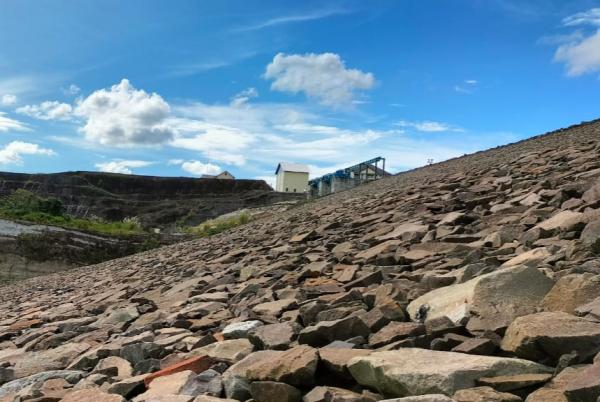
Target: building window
x=294, y=190
x=287, y=189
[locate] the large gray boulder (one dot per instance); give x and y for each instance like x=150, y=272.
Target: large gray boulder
x=551, y=334
x=490, y=302
x=412, y=371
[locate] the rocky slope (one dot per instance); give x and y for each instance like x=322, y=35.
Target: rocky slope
x=477, y=279
x=155, y=201
x=28, y=250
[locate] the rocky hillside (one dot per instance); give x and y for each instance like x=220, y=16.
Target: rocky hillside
x=476, y=279
x=155, y=201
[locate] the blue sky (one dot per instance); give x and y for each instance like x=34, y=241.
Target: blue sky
x=182, y=88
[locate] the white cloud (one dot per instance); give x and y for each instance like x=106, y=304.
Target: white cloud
x=581, y=56
x=125, y=116
x=243, y=97
x=589, y=17
x=579, y=51
x=468, y=87
x=172, y=162
x=321, y=76
x=189, y=69
x=429, y=126
x=121, y=166
x=8, y=100
x=48, y=110
x=317, y=15
x=8, y=124
x=71, y=90
x=198, y=168
x=13, y=152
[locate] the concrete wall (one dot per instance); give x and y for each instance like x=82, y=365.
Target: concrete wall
x=290, y=181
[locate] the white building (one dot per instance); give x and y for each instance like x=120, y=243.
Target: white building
x=291, y=177
x=225, y=175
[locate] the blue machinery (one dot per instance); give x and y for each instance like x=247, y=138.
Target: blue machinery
x=349, y=177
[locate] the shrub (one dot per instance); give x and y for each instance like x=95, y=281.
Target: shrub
x=27, y=206
x=24, y=202
x=218, y=225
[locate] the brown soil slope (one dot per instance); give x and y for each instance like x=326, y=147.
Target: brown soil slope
x=392, y=289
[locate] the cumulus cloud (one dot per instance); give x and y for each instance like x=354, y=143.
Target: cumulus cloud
x=320, y=76
x=429, y=126
x=48, y=110
x=121, y=166
x=13, y=152
x=8, y=100
x=243, y=97
x=198, y=168
x=580, y=51
x=125, y=116
x=582, y=56
x=8, y=124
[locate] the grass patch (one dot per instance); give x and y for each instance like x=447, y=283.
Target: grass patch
x=26, y=206
x=218, y=225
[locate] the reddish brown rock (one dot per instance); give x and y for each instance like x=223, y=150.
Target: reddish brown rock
x=196, y=364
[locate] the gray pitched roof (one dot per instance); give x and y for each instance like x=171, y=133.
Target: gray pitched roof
x=292, y=167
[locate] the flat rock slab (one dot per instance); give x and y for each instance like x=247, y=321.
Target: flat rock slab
x=512, y=382
x=91, y=395
x=296, y=366
x=497, y=298
x=551, y=334
x=413, y=371
x=484, y=394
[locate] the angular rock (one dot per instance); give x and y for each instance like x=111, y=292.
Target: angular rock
x=235, y=378
x=484, y=394
x=328, y=331
x=395, y=331
x=336, y=360
x=406, y=372
x=206, y=383
x=476, y=346
x=240, y=329
x=554, y=391
x=494, y=299
x=531, y=258
x=514, y=382
x=128, y=387
x=551, y=335
x=114, y=366
x=232, y=351
x=173, y=384
x=270, y=391
x=332, y=394
x=91, y=395
x=296, y=366
x=273, y=336
x=275, y=308
x=572, y=291
x=585, y=386
x=196, y=364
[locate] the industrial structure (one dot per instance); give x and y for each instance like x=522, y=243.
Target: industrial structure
x=291, y=177
x=349, y=177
